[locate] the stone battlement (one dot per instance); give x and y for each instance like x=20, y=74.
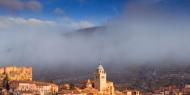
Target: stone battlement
x=16, y=73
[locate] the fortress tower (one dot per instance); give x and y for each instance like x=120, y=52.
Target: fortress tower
x=16, y=73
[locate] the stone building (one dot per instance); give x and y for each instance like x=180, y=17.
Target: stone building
x=71, y=92
x=20, y=82
x=132, y=92
x=16, y=73
x=88, y=84
x=101, y=83
x=33, y=88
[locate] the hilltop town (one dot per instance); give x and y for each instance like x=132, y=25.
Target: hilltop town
x=19, y=81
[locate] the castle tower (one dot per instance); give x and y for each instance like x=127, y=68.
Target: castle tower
x=100, y=82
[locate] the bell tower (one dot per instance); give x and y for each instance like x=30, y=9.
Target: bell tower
x=100, y=79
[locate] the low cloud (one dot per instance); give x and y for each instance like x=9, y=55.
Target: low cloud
x=83, y=24
x=35, y=25
x=33, y=41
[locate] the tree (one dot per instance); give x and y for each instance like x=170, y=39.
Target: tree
x=6, y=82
x=72, y=86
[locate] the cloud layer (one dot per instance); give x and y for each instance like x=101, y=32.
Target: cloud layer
x=143, y=34
x=18, y=5
x=15, y=24
x=34, y=41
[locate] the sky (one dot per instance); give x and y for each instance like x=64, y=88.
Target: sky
x=137, y=31
x=94, y=11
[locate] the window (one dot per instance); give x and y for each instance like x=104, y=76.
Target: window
x=97, y=76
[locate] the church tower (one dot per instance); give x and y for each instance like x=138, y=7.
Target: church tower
x=100, y=82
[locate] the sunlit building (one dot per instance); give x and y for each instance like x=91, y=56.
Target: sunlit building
x=132, y=92
x=71, y=92
x=99, y=86
x=101, y=83
x=16, y=73
x=186, y=90
x=33, y=88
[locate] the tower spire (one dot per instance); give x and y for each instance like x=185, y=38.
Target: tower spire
x=100, y=60
x=100, y=67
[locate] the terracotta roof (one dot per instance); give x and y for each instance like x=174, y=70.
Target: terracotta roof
x=69, y=91
x=90, y=90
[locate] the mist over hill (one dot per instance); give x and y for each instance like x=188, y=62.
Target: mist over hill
x=144, y=75
x=147, y=42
